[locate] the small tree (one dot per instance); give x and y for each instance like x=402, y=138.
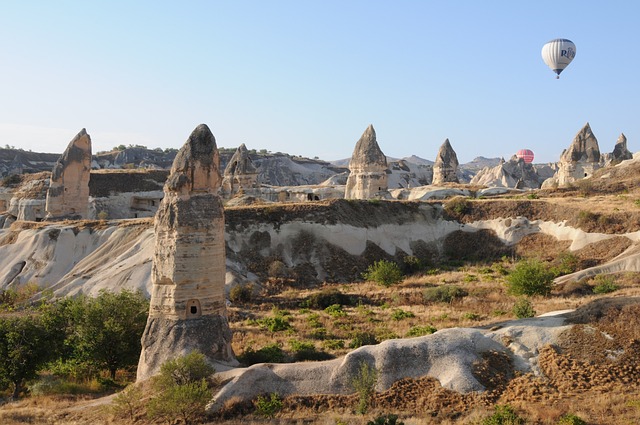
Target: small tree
x=27, y=343
x=383, y=272
x=364, y=383
x=530, y=277
x=523, y=308
x=268, y=407
x=128, y=402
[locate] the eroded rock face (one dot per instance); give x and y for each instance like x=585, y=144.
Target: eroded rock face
x=187, y=309
x=445, y=169
x=581, y=159
x=514, y=173
x=368, y=169
x=240, y=173
x=68, y=193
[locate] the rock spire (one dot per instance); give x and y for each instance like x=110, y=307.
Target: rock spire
x=240, y=173
x=620, y=151
x=187, y=309
x=445, y=169
x=581, y=159
x=68, y=193
x=368, y=169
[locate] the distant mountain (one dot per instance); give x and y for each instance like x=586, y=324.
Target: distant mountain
x=480, y=162
x=414, y=159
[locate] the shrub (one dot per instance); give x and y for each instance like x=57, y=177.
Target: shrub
x=271, y=353
x=241, y=294
x=181, y=388
x=530, y=277
x=362, y=338
x=503, y=415
x=333, y=344
x=604, y=285
x=421, y=330
x=389, y=419
x=306, y=351
x=325, y=298
x=523, y=309
x=277, y=323
x=268, y=407
x=458, y=205
x=277, y=269
x=400, y=314
x=569, y=263
x=128, y=402
x=412, y=264
x=335, y=310
x=383, y=272
x=443, y=293
x=364, y=383
x=571, y=419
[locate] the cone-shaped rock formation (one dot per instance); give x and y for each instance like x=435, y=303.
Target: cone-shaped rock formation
x=187, y=309
x=240, y=173
x=445, y=169
x=620, y=151
x=581, y=159
x=68, y=193
x=368, y=169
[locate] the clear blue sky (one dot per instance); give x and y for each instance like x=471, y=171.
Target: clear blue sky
x=307, y=77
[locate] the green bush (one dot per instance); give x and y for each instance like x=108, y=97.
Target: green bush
x=523, y=309
x=604, y=285
x=458, y=205
x=181, y=389
x=268, y=407
x=241, y=294
x=571, y=419
x=335, y=310
x=412, y=264
x=333, y=344
x=362, y=338
x=383, y=272
x=530, y=277
x=128, y=402
x=443, y=293
x=503, y=415
x=421, y=330
x=327, y=297
x=303, y=351
x=400, y=314
x=364, y=383
x=277, y=323
x=389, y=419
x=271, y=353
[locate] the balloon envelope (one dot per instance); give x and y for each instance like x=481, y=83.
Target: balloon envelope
x=558, y=54
x=526, y=155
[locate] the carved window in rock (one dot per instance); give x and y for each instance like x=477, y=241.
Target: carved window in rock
x=193, y=309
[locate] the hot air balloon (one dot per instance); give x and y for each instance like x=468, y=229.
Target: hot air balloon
x=558, y=54
x=526, y=155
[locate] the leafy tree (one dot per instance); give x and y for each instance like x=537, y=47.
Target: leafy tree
x=364, y=383
x=27, y=343
x=108, y=329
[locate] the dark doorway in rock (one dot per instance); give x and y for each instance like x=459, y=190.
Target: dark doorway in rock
x=193, y=309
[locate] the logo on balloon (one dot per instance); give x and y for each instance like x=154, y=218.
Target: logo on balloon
x=569, y=53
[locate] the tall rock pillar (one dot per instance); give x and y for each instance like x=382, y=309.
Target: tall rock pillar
x=68, y=193
x=368, y=169
x=187, y=309
x=445, y=169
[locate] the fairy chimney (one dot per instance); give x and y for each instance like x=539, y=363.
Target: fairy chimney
x=187, y=310
x=620, y=151
x=581, y=159
x=445, y=169
x=68, y=193
x=368, y=169
x=240, y=173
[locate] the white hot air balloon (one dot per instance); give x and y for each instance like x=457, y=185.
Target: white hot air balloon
x=558, y=53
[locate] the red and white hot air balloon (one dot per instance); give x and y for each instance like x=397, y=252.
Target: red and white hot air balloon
x=526, y=155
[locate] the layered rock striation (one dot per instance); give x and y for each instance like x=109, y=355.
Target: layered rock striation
x=368, y=169
x=68, y=193
x=187, y=309
x=445, y=169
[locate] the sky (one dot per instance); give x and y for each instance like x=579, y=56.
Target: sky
x=306, y=77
